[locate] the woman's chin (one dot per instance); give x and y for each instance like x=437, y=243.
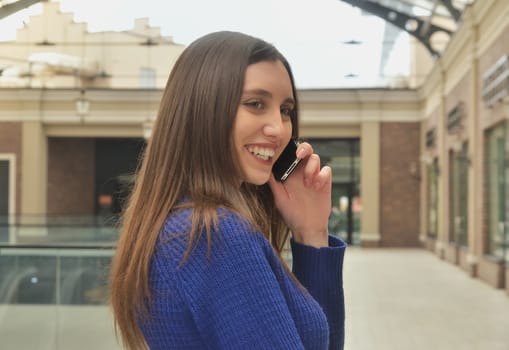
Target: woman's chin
x=258, y=180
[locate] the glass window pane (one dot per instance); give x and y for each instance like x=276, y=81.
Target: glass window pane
x=496, y=192
x=343, y=156
x=458, y=190
x=433, y=199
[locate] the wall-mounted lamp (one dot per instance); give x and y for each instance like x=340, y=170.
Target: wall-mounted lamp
x=82, y=106
x=413, y=169
x=460, y=153
x=426, y=159
x=430, y=161
x=457, y=146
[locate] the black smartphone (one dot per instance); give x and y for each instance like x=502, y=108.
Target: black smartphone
x=287, y=162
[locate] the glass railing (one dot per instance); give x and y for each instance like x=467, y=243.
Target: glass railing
x=46, y=230
x=53, y=284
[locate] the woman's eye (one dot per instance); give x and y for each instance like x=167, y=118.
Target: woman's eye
x=255, y=104
x=287, y=111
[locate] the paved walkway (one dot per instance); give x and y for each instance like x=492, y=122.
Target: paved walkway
x=408, y=299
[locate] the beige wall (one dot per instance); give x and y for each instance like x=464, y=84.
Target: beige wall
x=34, y=169
x=370, y=184
x=457, y=76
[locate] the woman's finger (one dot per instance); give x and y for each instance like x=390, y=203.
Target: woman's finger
x=311, y=169
x=304, y=150
x=323, y=181
x=277, y=188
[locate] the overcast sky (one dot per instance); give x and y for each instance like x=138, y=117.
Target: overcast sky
x=310, y=33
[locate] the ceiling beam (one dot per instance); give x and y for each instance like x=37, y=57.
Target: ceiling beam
x=455, y=13
x=13, y=7
x=414, y=26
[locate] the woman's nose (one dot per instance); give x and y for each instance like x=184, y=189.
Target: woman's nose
x=274, y=124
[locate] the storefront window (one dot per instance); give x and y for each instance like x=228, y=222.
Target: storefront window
x=433, y=199
x=343, y=156
x=458, y=184
x=497, y=181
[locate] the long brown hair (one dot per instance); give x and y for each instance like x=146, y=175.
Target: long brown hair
x=190, y=155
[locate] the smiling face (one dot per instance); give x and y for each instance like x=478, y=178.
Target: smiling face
x=263, y=126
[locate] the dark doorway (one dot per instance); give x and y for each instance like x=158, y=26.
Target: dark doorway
x=4, y=188
x=343, y=156
x=4, y=200
x=116, y=161
x=344, y=218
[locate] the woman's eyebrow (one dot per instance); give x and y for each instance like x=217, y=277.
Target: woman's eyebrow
x=265, y=93
x=259, y=92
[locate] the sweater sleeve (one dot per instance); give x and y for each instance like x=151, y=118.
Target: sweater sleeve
x=243, y=307
x=321, y=272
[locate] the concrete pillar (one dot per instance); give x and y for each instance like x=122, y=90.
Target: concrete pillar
x=370, y=184
x=443, y=173
x=475, y=171
x=34, y=172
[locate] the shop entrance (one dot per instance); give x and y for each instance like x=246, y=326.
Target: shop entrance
x=116, y=161
x=343, y=156
x=345, y=213
x=6, y=195
x=4, y=189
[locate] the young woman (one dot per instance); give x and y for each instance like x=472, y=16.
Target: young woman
x=198, y=262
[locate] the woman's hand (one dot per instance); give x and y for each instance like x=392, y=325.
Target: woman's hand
x=304, y=199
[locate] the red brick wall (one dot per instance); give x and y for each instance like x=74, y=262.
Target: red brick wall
x=71, y=176
x=399, y=186
x=10, y=142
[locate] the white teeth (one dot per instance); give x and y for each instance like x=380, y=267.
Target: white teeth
x=260, y=152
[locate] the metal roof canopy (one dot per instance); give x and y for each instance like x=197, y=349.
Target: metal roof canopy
x=7, y=8
x=417, y=17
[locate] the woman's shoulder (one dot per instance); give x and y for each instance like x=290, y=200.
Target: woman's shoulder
x=231, y=243
x=229, y=231
x=235, y=232
x=227, y=221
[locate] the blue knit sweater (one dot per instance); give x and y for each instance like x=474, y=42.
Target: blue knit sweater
x=240, y=296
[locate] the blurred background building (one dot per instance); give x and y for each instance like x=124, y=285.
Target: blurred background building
x=418, y=158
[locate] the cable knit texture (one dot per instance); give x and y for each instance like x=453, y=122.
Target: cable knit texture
x=239, y=296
